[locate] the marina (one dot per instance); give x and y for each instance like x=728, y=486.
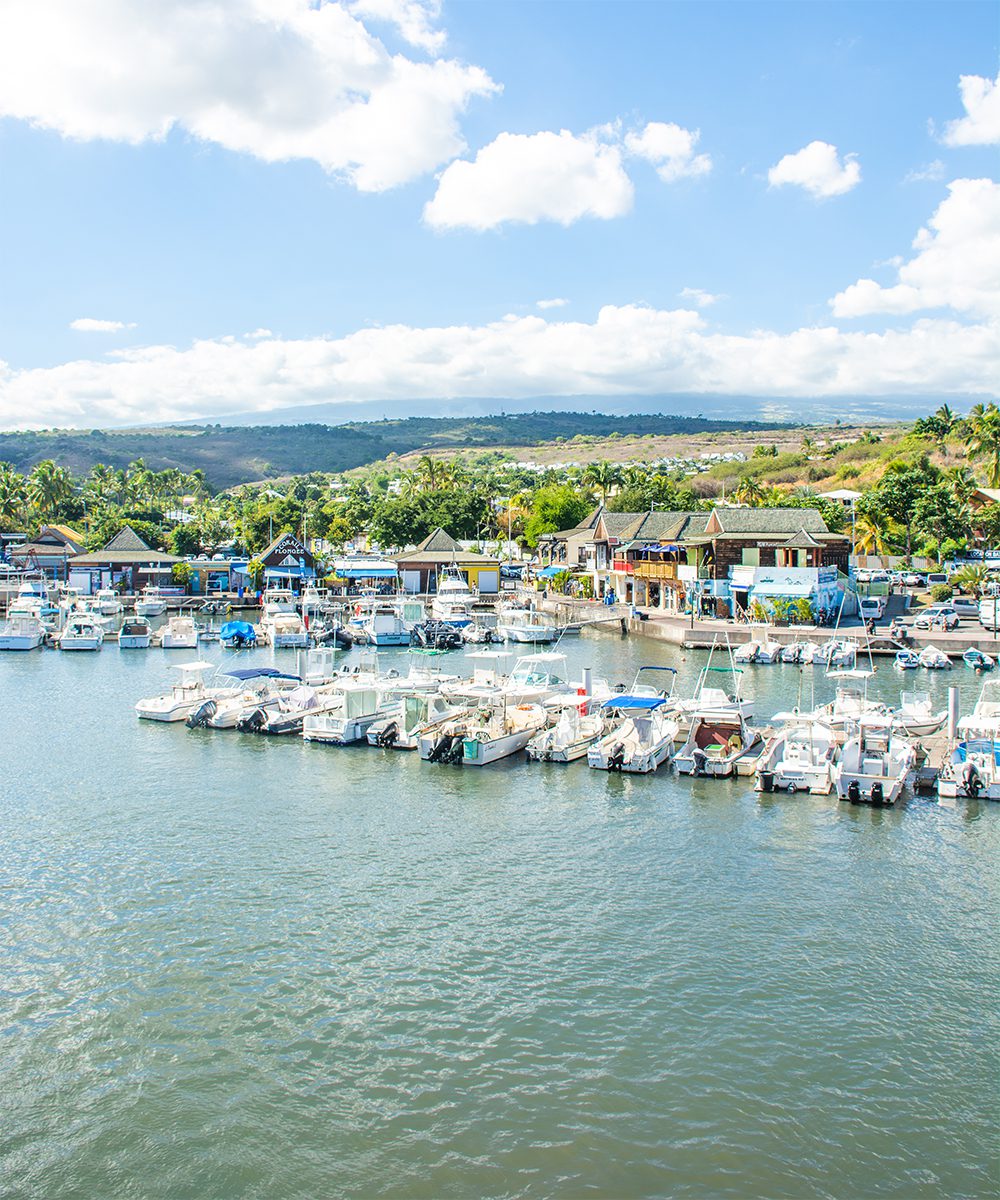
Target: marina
x=370, y=921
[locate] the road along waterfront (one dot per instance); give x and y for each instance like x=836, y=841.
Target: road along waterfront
x=237, y=966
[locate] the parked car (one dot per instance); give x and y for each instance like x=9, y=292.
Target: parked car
x=936, y=577
x=965, y=606
x=871, y=608
x=937, y=615
x=912, y=579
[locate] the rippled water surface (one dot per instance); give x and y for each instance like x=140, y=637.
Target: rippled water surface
x=237, y=967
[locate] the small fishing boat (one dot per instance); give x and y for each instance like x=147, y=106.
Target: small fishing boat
x=906, y=660
x=575, y=731
x=850, y=702
x=82, y=631
x=286, y=630
x=436, y=635
x=972, y=769
x=977, y=660
x=22, y=631
x=152, y=603
x=261, y=688
x=179, y=633
x=916, y=716
x=238, y=635
x=641, y=736
x=716, y=741
x=792, y=653
x=799, y=758
x=934, y=659
x=454, y=599
x=874, y=764
x=418, y=715
x=747, y=653
x=135, y=634
x=353, y=709
x=499, y=731
x=383, y=625
x=180, y=701
x=285, y=711
x=107, y=602
x=769, y=652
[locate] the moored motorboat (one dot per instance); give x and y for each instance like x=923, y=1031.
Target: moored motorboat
x=82, y=631
x=978, y=660
x=353, y=709
x=151, y=603
x=641, y=735
x=135, y=634
x=575, y=731
x=875, y=764
x=179, y=633
x=716, y=742
x=499, y=731
x=906, y=660
x=238, y=635
x=418, y=714
x=799, y=758
x=454, y=599
x=916, y=716
x=934, y=659
x=184, y=696
x=22, y=631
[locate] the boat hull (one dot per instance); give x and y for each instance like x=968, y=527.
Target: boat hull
x=21, y=641
x=476, y=753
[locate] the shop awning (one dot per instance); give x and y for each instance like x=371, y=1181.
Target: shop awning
x=289, y=573
x=787, y=589
x=549, y=572
x=387, y=572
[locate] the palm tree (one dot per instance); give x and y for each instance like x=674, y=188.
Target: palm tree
x=603, y=475
x=963, y=483
x=984, y=440
x=749, y=491
x=13, y=494
x=871, y=535
x=429, y=472
x=48, y=487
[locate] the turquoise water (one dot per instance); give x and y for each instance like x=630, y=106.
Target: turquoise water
x=238, y=967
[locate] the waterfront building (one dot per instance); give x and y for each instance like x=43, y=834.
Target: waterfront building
x=125, y=562
x=419, y=569
x=288, y=563
x=49, y=552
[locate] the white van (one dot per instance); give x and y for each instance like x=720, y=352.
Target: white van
x=871, y=608
x=989, y=613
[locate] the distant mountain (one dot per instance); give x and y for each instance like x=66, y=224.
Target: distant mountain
x=230, y=455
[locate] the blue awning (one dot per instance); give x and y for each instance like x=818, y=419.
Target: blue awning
x=645, y=703
x=549, y=572
x=289, y=573
x=387, y=572
x=259, y=673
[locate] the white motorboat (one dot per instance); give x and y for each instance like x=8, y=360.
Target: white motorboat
x=82, y=631
x=837, y=653
x=850, y=702
x=152, y=603
x=794, y=652
x=454, y=599
x=708, y=697
x=799, y=758
x=769, y=652
x=179, y=633
x=22, y=631
x=916, y=717
x=973, y=765
x=906, y=660
x=417, y=715
x=576, y=730
x=747, y=653
x=934, y=659
x=383, y=625
x=518, y=623
x=135, y=634
x=180, y=701
x=257, y=688
x=641, y=736
x=284, y=712
x=498, y=731
x=353, y=709
x=285, y=630
x=107, y=602
x=716, y=741
x=875, y=764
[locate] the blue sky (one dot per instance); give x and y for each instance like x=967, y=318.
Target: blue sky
x=178, y=178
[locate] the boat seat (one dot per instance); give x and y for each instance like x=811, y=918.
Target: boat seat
x=872, y=765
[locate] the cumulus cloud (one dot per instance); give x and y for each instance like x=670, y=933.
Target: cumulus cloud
x=558, y=302
x=257, y=334
x=818, y=169
x=93, y=325
x=277, y=79
x=627, y=350
x=670, y=148
x=956, y=264
x=413, y=20
x=699, y=297
x=981, y=124
x=527, y=178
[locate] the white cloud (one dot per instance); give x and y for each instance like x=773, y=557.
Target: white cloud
x=278, y=79
x=670, y=148
x=981, y=124
x=528, y=178
x=932, y=172
x=257, y=334
x=956, y=265
x=93, y=325
x=817, y=168
x=413, y=19
x=699, y=297
x=558, y=302
x=626, y=350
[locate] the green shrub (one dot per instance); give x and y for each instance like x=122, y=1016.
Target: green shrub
x=941, y=592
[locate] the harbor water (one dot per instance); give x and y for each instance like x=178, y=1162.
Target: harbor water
x=233, y=966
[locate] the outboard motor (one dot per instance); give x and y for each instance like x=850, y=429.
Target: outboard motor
x=972, y=781
x=202, y=715
x=389, y=735
x=617, y=757
x=439, y=748
x=699, y=758
x=854, y=792
x=456, y=750
x=877, y=795
x=253, y=722
x=767, y=781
